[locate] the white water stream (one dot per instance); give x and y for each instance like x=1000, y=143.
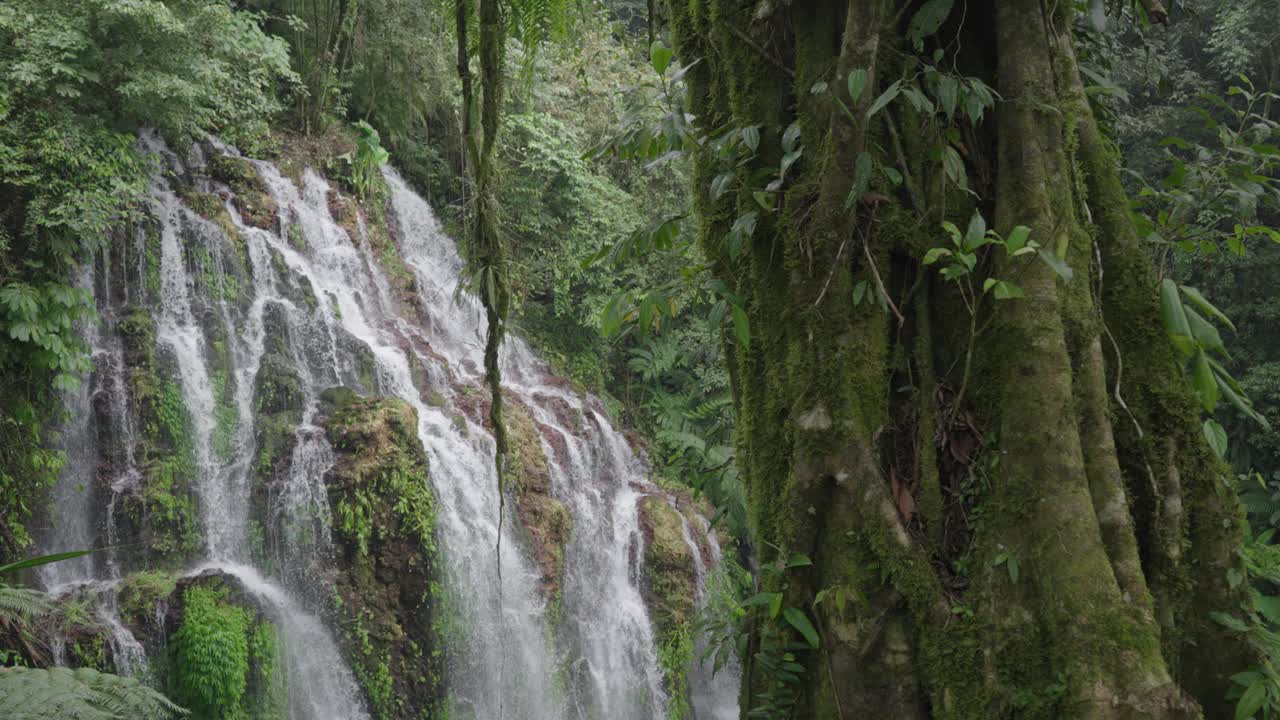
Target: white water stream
x=601, y=659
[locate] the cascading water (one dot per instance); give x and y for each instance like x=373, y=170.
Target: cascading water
x=309, y=294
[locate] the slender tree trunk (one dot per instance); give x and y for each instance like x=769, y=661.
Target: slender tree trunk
x=1056, y=535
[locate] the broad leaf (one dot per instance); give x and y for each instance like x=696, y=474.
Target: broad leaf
x=660, y=57
x=885, y=98
x=41, y=560
x=1204, y=381
x=798, y=620
x=1205, y=306
x=857, y=82
x=1216, y=436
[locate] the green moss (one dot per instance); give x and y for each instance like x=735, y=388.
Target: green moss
x=252, y=199
x=141, y=591
x=669, y=587
x=546, y=520
x=212, y=208
x=384, y=518
x=267, y=690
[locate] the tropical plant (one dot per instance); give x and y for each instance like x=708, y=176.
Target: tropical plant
x=367, y=159
x=81, y=693
x=59, y=692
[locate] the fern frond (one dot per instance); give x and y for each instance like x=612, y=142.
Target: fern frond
x=18, y=602
x=83, y=693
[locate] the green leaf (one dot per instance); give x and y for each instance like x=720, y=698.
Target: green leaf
x=1017, y=239
x=927, y=20
x=1207, y=307
x=1011, y=564
x=1204, y=381
x=791, y=136
x=885, y=98
x=1172, y=313
x=761, y=599
x=660, y=57
x=1251, y=701
x=799, y=560
x=1216, y=436
x=1246, y=678
x=798, y=620
x=1057, y=264
x=1269, y=606
x=741, y=327
x=720, y=185
x=1206, y=335
x=41, y=560
x=948, y=91
x=859, y=291
x=935, y=254
x=953, y=165
x=790, y=159
x=857, y=82
x=1240, y=402
x=1005, y=290
x=861, y=178
x=975, y=233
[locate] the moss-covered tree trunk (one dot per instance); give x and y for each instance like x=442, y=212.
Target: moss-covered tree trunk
x=1015, y=506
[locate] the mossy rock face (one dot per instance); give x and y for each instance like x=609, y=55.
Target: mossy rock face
x=211, y=207
x=159, y=514
x=140, y=594
x=384, y=536
x=545, y=518
x=669, y=587
x=278, y=389
x=670, y=581
x=278, y=401
x=256, y=206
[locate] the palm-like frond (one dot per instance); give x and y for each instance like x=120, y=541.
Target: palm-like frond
x=535, y=21
x=21, y=602
x=82, y=694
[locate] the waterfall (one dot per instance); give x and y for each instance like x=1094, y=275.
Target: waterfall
x=312, y=294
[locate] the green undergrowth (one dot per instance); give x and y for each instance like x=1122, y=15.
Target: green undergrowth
x=227, y=663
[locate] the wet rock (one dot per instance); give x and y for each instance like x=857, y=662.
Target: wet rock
x=384, y=535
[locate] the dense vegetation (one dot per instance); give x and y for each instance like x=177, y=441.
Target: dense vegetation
x=958, y=313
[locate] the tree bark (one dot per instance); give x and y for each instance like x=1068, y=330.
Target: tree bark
x=1106, y=524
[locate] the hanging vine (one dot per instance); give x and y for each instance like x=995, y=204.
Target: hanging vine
x=486, y=256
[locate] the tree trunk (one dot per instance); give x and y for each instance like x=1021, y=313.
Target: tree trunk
x=1016, y=505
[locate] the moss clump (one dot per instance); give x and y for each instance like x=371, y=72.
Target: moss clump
x=669, y=579
x=546, y=519
x=139, y=594
x=669, y=587
x=256, y=206
x=211, y=207
x=267, y=690
x=384, y=519
x=163, y=512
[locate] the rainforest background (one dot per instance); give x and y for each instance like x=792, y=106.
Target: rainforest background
x=953, y=317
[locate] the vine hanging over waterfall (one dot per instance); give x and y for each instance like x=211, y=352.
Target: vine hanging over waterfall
x=488, y=262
